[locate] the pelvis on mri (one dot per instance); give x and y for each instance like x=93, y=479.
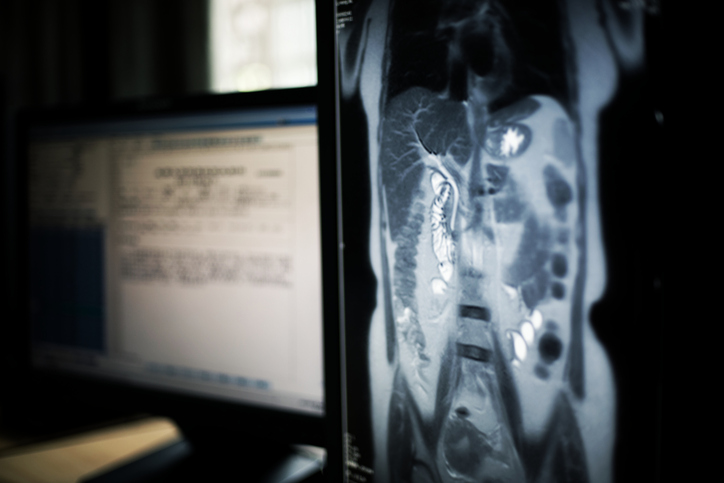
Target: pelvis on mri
x=481, y=231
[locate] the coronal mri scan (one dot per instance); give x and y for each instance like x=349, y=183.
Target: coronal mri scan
x=474, y=124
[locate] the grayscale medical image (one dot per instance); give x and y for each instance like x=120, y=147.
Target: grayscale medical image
x=475, y=122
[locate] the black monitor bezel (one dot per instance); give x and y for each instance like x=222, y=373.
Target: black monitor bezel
x=113, y=397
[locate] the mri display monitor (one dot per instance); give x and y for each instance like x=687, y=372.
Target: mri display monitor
x=176, y=248
x=501, y=232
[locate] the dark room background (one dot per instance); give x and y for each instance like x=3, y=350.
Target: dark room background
x=84, y=52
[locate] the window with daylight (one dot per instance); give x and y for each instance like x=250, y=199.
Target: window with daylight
x=262, y=44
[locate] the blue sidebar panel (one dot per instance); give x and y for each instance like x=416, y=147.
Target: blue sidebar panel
x=67, y=286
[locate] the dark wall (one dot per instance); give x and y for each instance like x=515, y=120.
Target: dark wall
x=90, y=50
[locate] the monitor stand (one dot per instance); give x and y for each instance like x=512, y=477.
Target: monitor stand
x=220, y=456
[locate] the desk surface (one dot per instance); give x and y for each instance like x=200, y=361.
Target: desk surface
x=68, y=459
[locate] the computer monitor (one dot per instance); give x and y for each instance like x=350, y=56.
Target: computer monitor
x=501, y=231
x=175, y=257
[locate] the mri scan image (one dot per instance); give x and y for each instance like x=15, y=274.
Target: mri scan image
x=473, y=248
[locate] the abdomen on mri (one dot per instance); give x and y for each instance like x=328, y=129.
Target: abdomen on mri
x=484, y=241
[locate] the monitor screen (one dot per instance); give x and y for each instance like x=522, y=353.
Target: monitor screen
x=502, y=232
x=180, y=252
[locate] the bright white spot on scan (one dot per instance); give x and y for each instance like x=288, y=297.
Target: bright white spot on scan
x=511, y=292
x=438, y=286
x=537, y=319
x=528, y=332
x=437, y=181
x=404, y=319
x=519, y=346
x=511, y=141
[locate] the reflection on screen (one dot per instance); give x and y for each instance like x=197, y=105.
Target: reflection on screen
x=182, y=253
